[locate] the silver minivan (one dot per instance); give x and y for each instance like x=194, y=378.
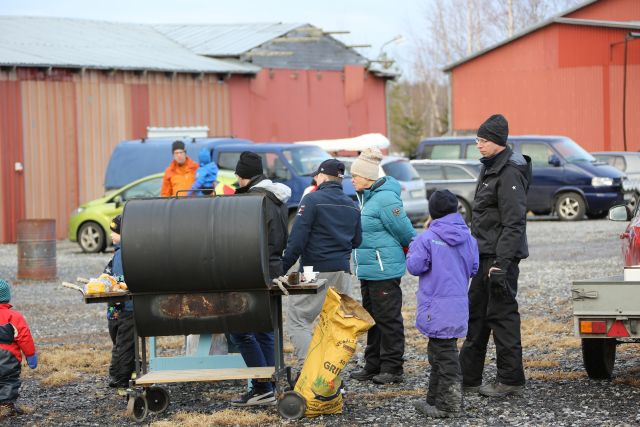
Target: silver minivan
x=413, y=194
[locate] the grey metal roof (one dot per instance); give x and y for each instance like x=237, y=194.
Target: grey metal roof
x=224, y=39
x=76, y=43
x=556, y=19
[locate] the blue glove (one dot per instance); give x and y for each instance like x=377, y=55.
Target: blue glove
x=32, y=361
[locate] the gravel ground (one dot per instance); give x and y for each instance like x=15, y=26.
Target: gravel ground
x=558, y=392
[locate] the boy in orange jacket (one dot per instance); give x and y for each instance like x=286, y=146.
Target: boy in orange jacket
x=15, y=339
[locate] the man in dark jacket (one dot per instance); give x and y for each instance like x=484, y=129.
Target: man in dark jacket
x=257, y=349
x=499, y=225
x=326, y=229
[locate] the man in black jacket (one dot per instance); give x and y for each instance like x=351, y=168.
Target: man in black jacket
x=326, y=229
x=499, y=225
x=257, y=349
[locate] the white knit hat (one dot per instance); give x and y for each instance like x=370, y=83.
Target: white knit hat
x=367, y=165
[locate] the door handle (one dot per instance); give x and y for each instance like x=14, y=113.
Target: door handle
x=624, y=235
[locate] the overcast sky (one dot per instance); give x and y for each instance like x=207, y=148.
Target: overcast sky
x=370, y=21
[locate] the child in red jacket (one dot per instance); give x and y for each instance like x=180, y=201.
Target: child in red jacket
x=15, y=339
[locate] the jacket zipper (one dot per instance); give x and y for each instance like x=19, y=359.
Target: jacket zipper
x=379, y=260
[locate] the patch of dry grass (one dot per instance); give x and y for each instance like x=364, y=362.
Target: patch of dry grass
x=170, y=342
x=556, y=376
x=64, y=364
x=224, y=396
x=227, y=417
x=57, y=379
x=542, y=325
x=633, y=382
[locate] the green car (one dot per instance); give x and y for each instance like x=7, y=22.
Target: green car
x=89, y=224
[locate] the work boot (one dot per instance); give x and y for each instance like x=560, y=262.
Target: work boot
x=363, y=375
x=387, y=378
x=498, y=389
x=431, y=411
x=470, y=388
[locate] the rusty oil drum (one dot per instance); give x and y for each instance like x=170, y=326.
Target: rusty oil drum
x=37, y=249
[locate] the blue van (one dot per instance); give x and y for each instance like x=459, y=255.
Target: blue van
x=289, y=164
x=135, y=159
x=567, y=180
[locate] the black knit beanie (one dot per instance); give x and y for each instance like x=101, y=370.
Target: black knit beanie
x=495, y=129
x=441, y=203
x=116, y=224
x=249, y=165
x=177, y=145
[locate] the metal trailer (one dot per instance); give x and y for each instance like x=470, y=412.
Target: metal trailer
x=201, y=266
x=606, y=313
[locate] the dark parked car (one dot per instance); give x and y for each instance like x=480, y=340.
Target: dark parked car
x=566, y=180
x=458, y=176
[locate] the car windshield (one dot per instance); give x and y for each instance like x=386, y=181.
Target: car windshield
x=401, y=170
x=305, y=160
x=572, y=152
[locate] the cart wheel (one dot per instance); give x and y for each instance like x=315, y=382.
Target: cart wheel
x=292, y=405
x=157, y=399
x=137, y=408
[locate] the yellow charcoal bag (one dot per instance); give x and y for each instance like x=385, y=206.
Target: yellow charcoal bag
x=334, y=341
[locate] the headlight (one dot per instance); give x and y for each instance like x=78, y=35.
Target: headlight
x=77, y=211
x=601, y=181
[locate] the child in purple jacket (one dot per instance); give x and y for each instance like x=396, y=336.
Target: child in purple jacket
x=445, y=256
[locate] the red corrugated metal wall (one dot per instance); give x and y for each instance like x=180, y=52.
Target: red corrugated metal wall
x=294, y=105
x=12, y=187
x=64, y=124
x=609, y=10
x=562, y=79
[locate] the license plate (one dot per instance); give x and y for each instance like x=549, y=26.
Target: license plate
x=416, y=194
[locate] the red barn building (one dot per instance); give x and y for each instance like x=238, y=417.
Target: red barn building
x=564, y=76
x=71, y=89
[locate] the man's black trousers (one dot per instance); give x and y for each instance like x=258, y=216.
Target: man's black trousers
x=487, y=314
x=385, y=340
x=123, y=350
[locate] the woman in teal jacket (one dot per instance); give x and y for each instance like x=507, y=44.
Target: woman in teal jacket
x=380, y=264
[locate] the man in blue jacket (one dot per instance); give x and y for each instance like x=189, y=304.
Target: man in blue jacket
x=326, y=229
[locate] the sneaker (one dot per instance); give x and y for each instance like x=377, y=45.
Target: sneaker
x=363, y=375
x=255, y=398
x=113, y=383
x=431, y=411
x=498, y=389
x=470, y=388
x=387, y=378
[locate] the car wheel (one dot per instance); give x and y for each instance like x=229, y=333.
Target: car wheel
x=632, y=201
x=570, y=206
x=91, y=237
x=599, y=356
x=464, y=209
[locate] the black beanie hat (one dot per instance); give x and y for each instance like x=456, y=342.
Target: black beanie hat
x=249, y=165
x=177, y=145
x=116, y=224
x=441, y=203
x=495, y=129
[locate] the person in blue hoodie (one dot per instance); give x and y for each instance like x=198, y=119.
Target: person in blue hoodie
x=120, y=320
x=380, y=265
x=445, y=256
x=206, y=175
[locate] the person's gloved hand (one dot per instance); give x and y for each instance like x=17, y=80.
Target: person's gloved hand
x=499, y=285
x=32, y=361
x=7, y=333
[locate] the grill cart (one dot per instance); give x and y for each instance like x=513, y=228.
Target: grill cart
x=200, y=266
